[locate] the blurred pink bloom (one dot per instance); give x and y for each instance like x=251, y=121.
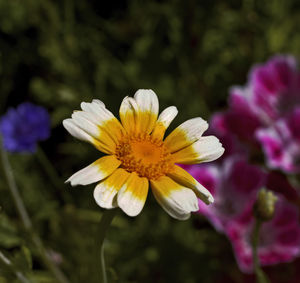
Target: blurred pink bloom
x=234, y=186
x=275, y=87
x=278, y=182
x=272, y=91
x=240, y=113
x=266, y=112
x=219, y=128
x=281, y=143
x=279, y=238
x=241, y=118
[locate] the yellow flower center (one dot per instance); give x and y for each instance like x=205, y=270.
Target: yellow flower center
x=144, y=155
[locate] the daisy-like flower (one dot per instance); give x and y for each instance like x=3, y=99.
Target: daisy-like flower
x=138, y=155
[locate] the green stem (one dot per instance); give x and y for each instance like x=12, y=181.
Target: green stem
x=102, y=261
x=12, y=268
x=261, y=277
x=12, y=186
x=52, y=174
x=14, y=190
x=105, y=222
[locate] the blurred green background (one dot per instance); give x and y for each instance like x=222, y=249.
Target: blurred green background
x=59, y=53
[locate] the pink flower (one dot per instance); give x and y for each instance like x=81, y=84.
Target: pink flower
x=272, y=91
x=281, y=143
x=234, y=186
x=219, y=127
x=279, y=238
x=278, y=182
x=239, y=120
x=266, y=113
x=275, y=87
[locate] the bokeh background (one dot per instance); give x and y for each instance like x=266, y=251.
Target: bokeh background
x=59, y=53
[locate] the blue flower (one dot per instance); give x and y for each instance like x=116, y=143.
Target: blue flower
x=22, y=127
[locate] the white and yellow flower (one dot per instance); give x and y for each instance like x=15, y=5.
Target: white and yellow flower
x=137, y=155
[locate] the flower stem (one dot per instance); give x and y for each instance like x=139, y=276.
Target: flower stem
x=12, y=186
x=12, y=268
x=105, y=222
x=52, y=174
x=261, y=277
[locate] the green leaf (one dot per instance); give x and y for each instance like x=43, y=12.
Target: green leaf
x=8, y=233
x=27, y=256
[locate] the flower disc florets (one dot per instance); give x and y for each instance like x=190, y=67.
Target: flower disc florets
x=144, y=155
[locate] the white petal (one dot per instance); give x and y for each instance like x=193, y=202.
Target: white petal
x=147, y=102
x=99, y=123
x=95, y=172
x=91, y=106
x=203, y=194
x=186, y=134
x=204, y=150
x=132, y=196
x=167, y=116
x=98, y=102
x=81, y=127
x=98, y=110
x=128, y=114
x=76, y=132
x=106, y=191
x=164, y=120
x=86, y=123
x=183, y=178
x=176, y=200
x=102, y=118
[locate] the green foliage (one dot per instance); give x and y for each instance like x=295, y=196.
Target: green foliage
x=8, y=233
x=59, y=53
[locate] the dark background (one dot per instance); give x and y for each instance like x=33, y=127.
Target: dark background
x=59, y=53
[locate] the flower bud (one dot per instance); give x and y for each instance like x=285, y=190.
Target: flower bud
x=264, y=207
